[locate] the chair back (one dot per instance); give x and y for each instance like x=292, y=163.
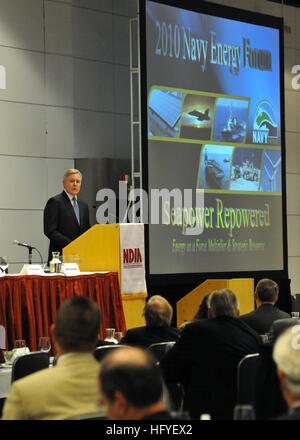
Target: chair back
x=173, y=393
x=280, y=325
x=54, y=360
x=28, y=364
x=2, y=337
x=102, y=350
x=246, y=379
x=92, y=416
x=159, y=349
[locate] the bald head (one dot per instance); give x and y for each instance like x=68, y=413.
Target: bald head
x=130, y=375
x=158, y=312
x=126, y=356
x=286, y=354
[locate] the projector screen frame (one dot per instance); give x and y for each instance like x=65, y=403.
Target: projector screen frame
x=233, y=14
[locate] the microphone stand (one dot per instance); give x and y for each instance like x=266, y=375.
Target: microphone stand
x=30, y=254
x=30, y=248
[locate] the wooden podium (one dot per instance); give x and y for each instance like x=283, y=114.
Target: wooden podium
x=99, y=251
x=188, y=306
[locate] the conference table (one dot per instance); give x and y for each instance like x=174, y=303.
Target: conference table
x=29, y=303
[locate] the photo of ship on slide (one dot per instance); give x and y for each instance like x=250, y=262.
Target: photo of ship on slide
x=215, y=167
x=230, y=120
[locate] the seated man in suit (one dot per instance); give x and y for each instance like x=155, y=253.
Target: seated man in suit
x=69, y=388
x=261, y=319
x=65, y=216
x=131, y=386
x=158, y=314
x=279, y=326
x=286, y=355
x=205, y=358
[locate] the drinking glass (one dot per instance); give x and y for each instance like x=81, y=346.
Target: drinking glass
x=66, y=258
x=3, y=263
x=110, y=333
x=8, y=356
x=76, y=259
x=44, y=344
x=20, y=343
x=118, y=336
x=243, y=412
x=295, y=315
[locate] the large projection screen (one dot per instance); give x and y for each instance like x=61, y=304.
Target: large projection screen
x=212, y=96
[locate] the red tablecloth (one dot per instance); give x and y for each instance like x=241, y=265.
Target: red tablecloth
x=28, y=304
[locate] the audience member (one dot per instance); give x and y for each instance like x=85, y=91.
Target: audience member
x=203, y=309
x=69, y=388
x=266, y=295
x=201, y=312
x=131, y=386
x=286, y=355
x=158, y=315
x=279, y=326
x=205, y=358
x=269, y=401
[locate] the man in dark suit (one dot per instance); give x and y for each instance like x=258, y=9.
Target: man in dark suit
x=286, y=355
x=205, y=358
x=266, y=295
x=158, y=314
x=280, y=325
x=65, y=217
x=131, y=386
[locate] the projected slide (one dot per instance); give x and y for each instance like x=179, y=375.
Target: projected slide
x=214, y=127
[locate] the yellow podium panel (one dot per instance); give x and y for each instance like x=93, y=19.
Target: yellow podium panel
x=133, y=306
x=99, y=251
x=188, y=306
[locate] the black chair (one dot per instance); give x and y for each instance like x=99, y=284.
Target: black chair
x=54, y=361
x=180, y=415
x=270, y=402
x=92, y=416
x=173, y=392
x=28, y=364
x=246, y=379
x=102, y=350
x=173, y=396
x=159, y=349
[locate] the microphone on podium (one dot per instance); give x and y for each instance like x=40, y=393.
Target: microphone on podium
x=23, y=244
x=29, y=247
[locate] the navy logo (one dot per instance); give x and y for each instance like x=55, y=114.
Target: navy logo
x=264, y=125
